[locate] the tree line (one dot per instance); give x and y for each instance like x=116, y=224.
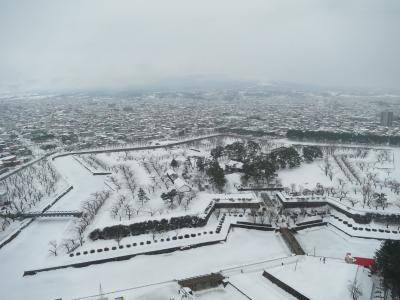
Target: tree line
x=259, y=165
x=346, y=137
x=27, y=188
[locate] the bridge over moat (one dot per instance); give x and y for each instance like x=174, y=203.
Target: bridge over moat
x=38, y=214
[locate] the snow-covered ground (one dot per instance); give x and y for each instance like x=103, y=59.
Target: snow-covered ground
x=307, y=176
x=249, y=250
x=220, y=293
x=257, y=287
x=32, y=243
x=242, y=247
x=323, y=280
x=331, y=242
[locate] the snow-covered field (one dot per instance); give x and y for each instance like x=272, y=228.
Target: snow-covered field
x=331, y=242
x=244, y=249
x=307, y=176
x=256, y=286
x=323, y=280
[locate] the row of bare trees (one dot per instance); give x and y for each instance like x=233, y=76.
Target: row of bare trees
x=343, y=168
x=28, y=187
x=351, y=168
x=90, y=208
x=126, y=206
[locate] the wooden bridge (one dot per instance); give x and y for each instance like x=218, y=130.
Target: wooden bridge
x=39, y=214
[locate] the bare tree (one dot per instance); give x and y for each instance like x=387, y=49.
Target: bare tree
x=129, y=210
x=114, y=210
x=154, y=233
x=118, y=236
x=353, y=201
x=330, y=174
x=262, y=216
x=326, y=167
x=69, y=245
x=53, y=247
x=366, y=191
x=355, y=290
x=253, y=214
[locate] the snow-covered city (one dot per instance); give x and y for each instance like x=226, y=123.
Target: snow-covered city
x=210, y=150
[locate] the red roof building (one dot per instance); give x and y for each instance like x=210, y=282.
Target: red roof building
x=363, y=261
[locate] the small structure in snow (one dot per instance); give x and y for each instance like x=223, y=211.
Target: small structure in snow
x=172, y=175
x=234, y=166
x=9, y=161
x=179, y=183
x=202, y=282
x=182, y=186
x=361, y=261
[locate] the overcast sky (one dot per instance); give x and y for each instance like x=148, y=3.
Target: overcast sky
x=117, y=44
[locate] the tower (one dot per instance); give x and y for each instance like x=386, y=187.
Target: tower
x=386, y=118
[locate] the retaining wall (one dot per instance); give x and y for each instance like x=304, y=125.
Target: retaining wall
x=284, y=286
x=301, y=227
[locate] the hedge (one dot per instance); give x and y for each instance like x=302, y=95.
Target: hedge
x=134, y=229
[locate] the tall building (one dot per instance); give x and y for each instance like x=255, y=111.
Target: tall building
x=386, y=118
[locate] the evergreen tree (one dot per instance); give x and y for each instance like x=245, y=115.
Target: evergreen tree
x=252, y=149
x=381, y=199
x=387, y=262
x=311, y=152
x=217, y=152
x=142, y=197
x=169, y=196
x=174, y=163
x=200, y=164
x=216, y=174
x=236, y=151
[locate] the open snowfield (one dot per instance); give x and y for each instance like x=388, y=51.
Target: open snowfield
x=81, y=179
x=318, y=280
x=242, y=246
x=331, y=242
x=308, y=175
x=257, y=287
x=220, y=293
